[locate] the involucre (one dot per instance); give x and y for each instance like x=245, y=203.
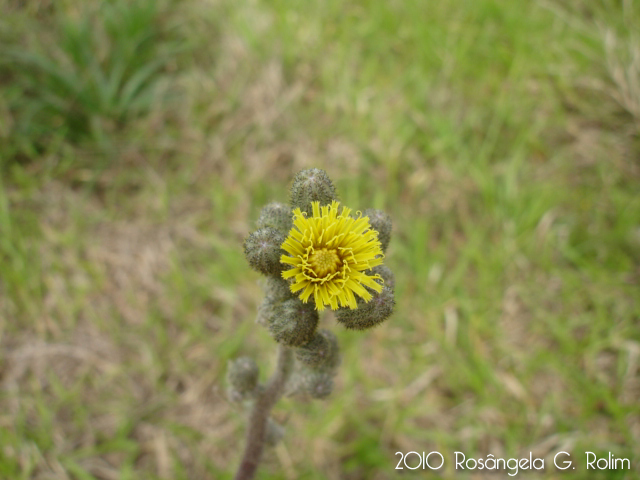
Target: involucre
x=318, y=384
x=368, y=314
x=388, y=279
x=293, y=323
x=312, y=185
x=274, y=433
x=242, y=376
x=321, y=353
x=381, y=223
x=262, y=249
x=278, y=289
x=276, y=215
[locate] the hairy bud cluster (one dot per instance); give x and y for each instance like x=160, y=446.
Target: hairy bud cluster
x=368, y=314
x=322, y=353
x=292, y=322
x=312, y=185
x=381, y=223
x=242, y=376
x=262, y=249
x=277, y=216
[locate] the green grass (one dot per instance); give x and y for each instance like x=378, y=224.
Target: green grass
x=138, y=141
x=84, y=73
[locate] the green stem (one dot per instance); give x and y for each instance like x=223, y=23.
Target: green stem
x=257, y=429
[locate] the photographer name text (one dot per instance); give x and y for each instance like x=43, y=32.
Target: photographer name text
x=561, y=461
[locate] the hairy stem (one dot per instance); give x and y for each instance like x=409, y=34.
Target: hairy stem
x=257, y=429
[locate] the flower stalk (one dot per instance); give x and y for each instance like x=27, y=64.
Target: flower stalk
x=315, y=254
x=257, y=429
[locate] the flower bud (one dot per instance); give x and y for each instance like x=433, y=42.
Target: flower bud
x=275, y=433
x=312, y=185
x=321, y=353
x=278, y=289
x=242, y=375
x=293, y=323
x=276, y=215
x=262, y=249
x=318, y=384
x=266, y=311
x=388, y=279
x=381, y=223
x=368, y=314
x=234, y=395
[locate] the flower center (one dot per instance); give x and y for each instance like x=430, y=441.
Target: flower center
x=324, y=261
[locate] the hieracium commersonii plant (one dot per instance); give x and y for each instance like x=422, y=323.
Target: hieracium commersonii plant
x=316, y=254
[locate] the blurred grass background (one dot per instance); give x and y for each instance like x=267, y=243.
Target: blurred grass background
x=139, y=139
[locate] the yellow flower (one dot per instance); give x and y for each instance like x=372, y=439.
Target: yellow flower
x=329, y=253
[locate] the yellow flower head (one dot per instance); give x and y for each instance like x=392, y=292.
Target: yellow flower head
x=329, y=253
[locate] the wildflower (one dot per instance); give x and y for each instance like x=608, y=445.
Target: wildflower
x=330, y=253
x=311, y=247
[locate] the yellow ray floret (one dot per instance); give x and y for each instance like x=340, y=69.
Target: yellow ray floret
x=329, y=254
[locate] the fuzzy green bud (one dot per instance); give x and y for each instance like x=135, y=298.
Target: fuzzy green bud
x=318, y=384
x=381, y=223
x=293, y=323
x=321, y=353
x=242, y=376
x=266, y=311
x=368, y=314
x=275, y=433
x=276, y=215
x=312, y=185
x=262, y=249
x=388, y=279
x=278, y=289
